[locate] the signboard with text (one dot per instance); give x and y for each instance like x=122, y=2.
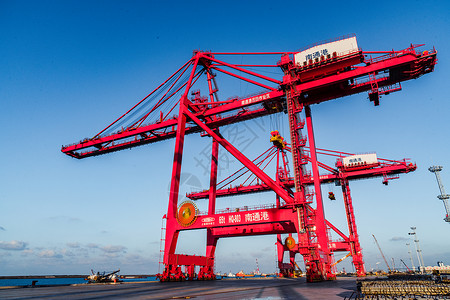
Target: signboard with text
x=237, y=218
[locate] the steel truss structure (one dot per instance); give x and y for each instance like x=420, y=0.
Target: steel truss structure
x=298, y=211
x=388, y=169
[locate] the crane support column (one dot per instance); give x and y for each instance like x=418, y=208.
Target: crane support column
x=305, y=219
x=280, y=256
x=173, y=271
x=321, y=229
x=316, y=263
x=207, y=272
x=355, y=247
x=213, y=177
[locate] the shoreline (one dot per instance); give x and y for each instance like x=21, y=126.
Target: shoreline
x=62, y=276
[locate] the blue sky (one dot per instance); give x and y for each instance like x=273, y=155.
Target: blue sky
x=69, y=68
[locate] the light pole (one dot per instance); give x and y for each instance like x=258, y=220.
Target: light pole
x=443, y=196
x=419, y=252
x=410, y=256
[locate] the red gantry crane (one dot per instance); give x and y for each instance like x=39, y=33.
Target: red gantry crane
x=184, y=104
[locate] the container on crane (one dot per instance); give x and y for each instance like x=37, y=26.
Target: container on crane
x=359, y=161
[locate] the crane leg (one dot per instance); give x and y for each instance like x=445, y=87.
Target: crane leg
x=355, y=246
x=321, y=230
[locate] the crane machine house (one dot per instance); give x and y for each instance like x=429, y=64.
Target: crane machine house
x=360, y=161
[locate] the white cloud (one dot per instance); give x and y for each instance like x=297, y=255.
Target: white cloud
x=64, y=219
x=398, y=239
x=13, y=245
x=113, y=249
x=134, y=257
x=92, y=245
x=73, y=245
x=49, y=254
x=67, y=252
x=112, y=255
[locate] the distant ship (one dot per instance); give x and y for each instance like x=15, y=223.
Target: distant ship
x=441, y=268
x=242, y=274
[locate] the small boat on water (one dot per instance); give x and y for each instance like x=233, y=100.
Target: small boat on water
x=103, y=277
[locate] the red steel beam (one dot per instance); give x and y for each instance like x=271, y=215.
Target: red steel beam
x=243, y=70
x=167, y=129
x=336, y=86
x=187, y=260
x=397, y=168
x=251, y=222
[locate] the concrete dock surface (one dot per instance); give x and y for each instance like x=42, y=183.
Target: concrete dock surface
x=249, y=288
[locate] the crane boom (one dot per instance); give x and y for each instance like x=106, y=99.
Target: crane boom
x=340, y=260
x=409, y=270
x=389, y=168
x=150, y=124
x=389, y=268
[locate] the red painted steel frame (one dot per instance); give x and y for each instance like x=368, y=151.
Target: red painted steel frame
x=300, y=87
x=350, y=243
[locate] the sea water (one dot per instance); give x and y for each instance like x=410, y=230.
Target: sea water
x=60, y=281
x=41, y=281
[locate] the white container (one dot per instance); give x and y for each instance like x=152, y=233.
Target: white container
x=360, y=160
x=342, y=47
